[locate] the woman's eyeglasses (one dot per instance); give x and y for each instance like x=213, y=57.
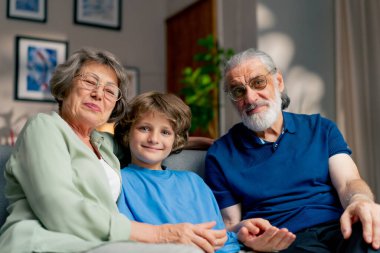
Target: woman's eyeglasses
x=91, y=81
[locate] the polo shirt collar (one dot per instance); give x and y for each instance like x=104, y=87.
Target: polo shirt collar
x=248, y=139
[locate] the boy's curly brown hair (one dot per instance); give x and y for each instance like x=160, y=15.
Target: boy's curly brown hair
x=176, y=111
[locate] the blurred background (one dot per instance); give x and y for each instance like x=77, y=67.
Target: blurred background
x=327, y=50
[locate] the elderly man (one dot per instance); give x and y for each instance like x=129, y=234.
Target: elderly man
x=292, y=170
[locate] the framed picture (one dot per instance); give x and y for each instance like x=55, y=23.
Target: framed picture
x=101, y=13
x=133, y=78
x=32, y=10
x=36, y=60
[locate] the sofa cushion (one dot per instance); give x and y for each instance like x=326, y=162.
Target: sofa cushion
x=193, y=160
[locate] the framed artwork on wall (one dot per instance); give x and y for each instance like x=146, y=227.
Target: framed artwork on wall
x=133, y=78
x=36, y=59
x=32, y=10
x=103, y=13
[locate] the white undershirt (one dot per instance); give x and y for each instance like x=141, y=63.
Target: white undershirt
x=113, y=179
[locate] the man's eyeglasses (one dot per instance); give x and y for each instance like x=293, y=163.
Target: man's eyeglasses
x=238, y=92
x=91, y=81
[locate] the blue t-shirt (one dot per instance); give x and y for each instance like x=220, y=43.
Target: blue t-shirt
x=286, y=182
x=168, y=196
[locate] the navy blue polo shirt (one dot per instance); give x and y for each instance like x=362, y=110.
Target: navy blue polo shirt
x=286, y=182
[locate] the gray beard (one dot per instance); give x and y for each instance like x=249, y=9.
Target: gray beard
x=259, y=122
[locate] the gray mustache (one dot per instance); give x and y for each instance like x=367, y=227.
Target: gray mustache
x=254, y=105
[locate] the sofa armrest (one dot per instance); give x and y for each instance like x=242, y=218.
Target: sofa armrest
x=5, y=152
x=199, y=143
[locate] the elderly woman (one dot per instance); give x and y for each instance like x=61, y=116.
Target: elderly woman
x=63, y=179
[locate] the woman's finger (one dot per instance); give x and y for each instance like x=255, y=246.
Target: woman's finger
x=202, y=243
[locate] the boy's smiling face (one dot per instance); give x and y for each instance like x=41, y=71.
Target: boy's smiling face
x=151, y=140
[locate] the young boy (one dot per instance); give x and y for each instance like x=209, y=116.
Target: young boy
x=157, y=125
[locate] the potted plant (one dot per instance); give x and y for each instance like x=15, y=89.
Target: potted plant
x=201, y=87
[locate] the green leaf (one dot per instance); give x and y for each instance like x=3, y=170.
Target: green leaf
x=201, y=83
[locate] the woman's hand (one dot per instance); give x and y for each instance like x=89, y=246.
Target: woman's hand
x=200, y=235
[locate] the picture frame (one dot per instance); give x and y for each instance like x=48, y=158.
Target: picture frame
x=31, y=10
x=103, y=14
x=36, y=59
x=133, y=76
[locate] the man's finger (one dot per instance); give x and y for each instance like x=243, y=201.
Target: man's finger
x=256, y=226
x=366, y=220
x=283, y=239
x=345, y=224
x=376, y=231
x=243, y=234
x=269, y=233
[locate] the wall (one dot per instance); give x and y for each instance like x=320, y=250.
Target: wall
x=307, y=26
x=299, y=35
x=140, y=43
x=237, y=30
x=174, y=6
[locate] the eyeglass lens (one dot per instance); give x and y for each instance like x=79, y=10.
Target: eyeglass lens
x=257, y=83
x=91, y=82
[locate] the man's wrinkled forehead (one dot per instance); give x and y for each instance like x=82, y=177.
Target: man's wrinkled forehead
x=247, y=69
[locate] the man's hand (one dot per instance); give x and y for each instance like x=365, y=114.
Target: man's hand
x=368, y=212
x=260, y=235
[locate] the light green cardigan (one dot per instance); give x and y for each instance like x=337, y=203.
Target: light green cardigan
x=60, y=199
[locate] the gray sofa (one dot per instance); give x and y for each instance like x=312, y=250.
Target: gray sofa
x=186, y=160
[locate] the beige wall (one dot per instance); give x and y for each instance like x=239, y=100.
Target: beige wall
x=299, y=35
x=141, y=43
